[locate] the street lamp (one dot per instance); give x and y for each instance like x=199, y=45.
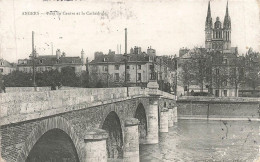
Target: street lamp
x=176, y=76
x=126, y=59
x=33, y=59
x=161, y=82
x=107, y=74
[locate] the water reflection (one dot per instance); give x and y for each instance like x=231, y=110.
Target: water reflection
x=201, y=140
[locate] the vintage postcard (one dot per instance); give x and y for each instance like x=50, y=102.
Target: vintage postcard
x=129, y=80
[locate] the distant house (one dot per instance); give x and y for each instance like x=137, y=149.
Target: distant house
x=6, y=67
x=139, y=67
x=53, y=62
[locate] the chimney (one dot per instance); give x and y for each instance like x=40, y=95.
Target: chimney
x=32, y=43
x=83, y=57
x=58, y=53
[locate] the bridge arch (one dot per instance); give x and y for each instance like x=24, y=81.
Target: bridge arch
x=56, y=130
x=112, y=125
x=140, y=114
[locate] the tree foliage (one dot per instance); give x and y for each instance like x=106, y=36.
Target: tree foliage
x=67, y=77
x=216, y=70
x=187, y=74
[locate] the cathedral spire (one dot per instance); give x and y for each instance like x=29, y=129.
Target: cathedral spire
x=227, y=10
x=227, y=20
x=209, y=11
x=208, y=23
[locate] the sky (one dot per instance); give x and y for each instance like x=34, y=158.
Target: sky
x=165, y=25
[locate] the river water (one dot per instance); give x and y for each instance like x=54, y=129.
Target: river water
x=202, y=140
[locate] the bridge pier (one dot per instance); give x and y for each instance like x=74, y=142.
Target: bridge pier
x=164, y=120
x=152, y=121
x=170, y=116
x=95, y=146
x=131, y=140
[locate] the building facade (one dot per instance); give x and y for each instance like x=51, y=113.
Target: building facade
x=139, y=65
x=6, y=67
x=53, y=62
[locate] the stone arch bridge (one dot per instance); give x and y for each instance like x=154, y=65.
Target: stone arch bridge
x=82, y=125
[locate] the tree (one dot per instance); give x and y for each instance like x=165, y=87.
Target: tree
x=66, y=77
x=252, y=68
x=236, y=74
x=187, y=74
x=106, y=79
x=201, y=67
x=69, y=77
x=18, y=79
x=85, y=79
x=99, y=84
x=46, y=78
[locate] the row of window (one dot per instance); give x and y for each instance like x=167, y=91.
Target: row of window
x=217, y=34
x=217, y=93
x=220, y=34
x=224, y=83
x=7, y=71
x=139, y=77
x=39, y=69
x=40, y=61
x=139, y=67
x=217, y=46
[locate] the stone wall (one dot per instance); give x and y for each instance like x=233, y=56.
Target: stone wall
x=25, y=89
x=209, y=107
x=218, y=99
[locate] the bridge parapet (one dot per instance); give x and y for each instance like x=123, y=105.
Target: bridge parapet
x=25, y=89
x=22, y=106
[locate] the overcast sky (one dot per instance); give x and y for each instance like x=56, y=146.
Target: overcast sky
x=165, y=25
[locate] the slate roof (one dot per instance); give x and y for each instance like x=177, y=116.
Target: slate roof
x=4, y=63
x=143, y=57
x=51, y=60
x=119, y=58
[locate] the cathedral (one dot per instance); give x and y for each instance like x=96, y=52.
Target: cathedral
x=218, y=36
x=218, y=44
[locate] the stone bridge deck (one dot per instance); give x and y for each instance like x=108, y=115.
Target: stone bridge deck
x=23, y=106
x=82, y=125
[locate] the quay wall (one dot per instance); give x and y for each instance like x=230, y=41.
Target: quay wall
x=218, y=108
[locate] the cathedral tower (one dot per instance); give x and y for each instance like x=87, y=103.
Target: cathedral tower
x=227, y=30
x=208, y=29
x=218, y=37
